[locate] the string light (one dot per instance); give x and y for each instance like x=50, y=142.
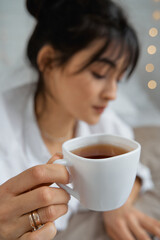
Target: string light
x=156, y=15
x=152, y=49
x=149, y=67
x=152, y=84
x=153, y=32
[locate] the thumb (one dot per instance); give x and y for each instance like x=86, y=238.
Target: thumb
x=55, y=157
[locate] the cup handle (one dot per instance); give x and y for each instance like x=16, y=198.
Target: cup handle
x=66, y=188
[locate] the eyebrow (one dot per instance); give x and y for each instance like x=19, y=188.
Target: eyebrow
x=107, y=61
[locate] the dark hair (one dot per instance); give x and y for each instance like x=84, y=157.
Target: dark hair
x=71, y=25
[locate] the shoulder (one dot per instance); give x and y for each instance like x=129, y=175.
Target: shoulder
x=17, y=96
x=13, y=101
x=111, y=123
x=12, y=106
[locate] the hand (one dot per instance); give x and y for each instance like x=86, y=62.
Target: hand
x=127, y=223
x=30, y=191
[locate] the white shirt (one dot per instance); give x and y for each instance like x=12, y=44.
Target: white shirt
x=22, y=147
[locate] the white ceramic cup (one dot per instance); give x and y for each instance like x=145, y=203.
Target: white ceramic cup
x=101, y=184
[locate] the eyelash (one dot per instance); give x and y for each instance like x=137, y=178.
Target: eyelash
x=97, y=76
x=101, y=77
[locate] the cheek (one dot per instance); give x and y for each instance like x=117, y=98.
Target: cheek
x=83, y=88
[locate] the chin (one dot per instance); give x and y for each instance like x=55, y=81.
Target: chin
x=93, y=120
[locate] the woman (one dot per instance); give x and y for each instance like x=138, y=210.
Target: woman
x=81, y=49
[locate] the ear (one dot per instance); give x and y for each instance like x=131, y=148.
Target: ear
x=45, y=57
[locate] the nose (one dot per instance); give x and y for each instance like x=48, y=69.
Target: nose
x=110, y=90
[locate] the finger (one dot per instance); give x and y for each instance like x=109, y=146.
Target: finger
x=51, y=213
x=57, y=156
x=48, y=214
x=151, y=225
x=40, y=174
x=38, y=198
x=113, y=235
x=123, y=232
x=47, y=232
x=137, y=230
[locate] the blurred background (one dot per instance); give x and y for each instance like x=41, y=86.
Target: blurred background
x=138, y=101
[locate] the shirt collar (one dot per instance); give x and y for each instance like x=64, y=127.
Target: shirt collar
x=35, y=148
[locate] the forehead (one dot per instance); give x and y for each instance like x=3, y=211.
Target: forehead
x=82, y=57
x=114, y=53
x=117, y=54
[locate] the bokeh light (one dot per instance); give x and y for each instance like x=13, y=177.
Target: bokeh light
x=156, y=15
x=152, y=84
x=153, y=32
x=152, y=49
x=149, y=67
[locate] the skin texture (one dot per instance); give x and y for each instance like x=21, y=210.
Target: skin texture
x=67, y=97
x=29, y=191
x=70, y=97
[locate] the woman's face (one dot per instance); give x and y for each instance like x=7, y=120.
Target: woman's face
x=85, y=95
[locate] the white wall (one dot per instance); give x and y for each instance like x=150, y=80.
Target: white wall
x=15, y=27
x=141, y=106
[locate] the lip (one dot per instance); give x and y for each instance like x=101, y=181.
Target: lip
x=99, y=109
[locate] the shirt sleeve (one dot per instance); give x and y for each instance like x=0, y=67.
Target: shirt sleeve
x=144, y=174
x=5, y=127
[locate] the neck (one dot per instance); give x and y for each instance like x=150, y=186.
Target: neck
x=56, y=125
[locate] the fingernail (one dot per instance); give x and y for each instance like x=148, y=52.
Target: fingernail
x=59, y=154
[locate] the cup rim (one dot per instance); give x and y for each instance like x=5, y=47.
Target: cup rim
x=98, y=135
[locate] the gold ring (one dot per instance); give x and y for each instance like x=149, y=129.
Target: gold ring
x=32, y=222
x=36, y=219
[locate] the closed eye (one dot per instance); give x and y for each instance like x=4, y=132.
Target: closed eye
x=98, y=76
